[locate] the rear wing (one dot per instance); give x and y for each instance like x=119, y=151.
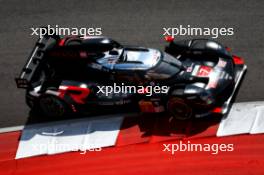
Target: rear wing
x=34, y=61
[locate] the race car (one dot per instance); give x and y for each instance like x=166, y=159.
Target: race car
x=63, y=75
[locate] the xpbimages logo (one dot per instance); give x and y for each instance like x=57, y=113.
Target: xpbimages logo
x=197, y=31
x=195, y=147
x=57, y=30
x=126, y=89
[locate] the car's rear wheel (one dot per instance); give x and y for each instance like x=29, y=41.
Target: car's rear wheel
x=52, y=106
x=179, y=109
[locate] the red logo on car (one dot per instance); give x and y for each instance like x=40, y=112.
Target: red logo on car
x=204, y=71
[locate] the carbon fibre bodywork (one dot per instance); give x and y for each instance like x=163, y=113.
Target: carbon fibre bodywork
x=201, y=73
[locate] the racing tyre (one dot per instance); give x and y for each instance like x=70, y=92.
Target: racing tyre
x=52, y=106
x=178, y=109
x=29, y=102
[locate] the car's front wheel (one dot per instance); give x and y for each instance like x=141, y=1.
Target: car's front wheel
x=52, y=106
x=179, y=109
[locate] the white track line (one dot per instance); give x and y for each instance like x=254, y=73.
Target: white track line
x=83, y=134
x=12, y=129
x=21, y=127
x=243, y=118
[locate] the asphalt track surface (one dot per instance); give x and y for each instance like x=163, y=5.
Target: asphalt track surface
x=134, y=22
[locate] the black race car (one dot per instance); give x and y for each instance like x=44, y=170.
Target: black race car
x=65, y=75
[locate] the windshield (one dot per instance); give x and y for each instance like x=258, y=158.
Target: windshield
x=167, y=67
x=148, y=57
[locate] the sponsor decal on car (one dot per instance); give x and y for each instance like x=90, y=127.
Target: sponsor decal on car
x=204, y=71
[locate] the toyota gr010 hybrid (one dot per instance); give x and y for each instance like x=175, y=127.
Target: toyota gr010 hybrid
x=62, y=76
